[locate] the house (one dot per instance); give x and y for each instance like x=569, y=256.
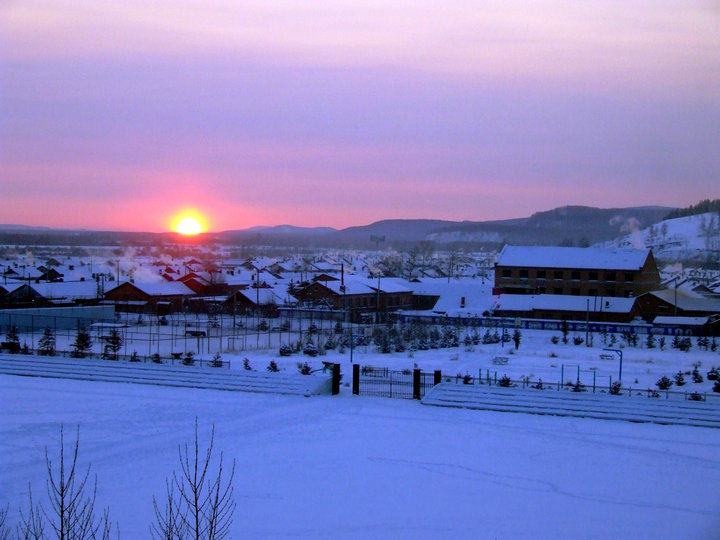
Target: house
x=677, y=302
x=568, y=307
x=358, y=295
x=159, y=298
x=575, y=271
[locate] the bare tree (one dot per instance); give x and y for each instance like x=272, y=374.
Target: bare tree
x=32, y=526
x=71, y=515
x=4, y=528
x=199, y=503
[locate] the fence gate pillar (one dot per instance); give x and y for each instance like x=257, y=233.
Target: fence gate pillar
x=335, y=379
x=416, y=384
x=437, y=378
x=356, y=379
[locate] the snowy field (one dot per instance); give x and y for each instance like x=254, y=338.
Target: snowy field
x=361, y=467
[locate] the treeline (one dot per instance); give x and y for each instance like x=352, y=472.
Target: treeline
x=700, y=208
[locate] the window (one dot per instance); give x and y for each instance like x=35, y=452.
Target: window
x=541, y=274
x=629, y=276
x=575, y=275
x=575, y=291
x=506, y=273
x=558, y=290
x=593, y=276
x=524, y=274
x=558, y=274
x=610, y=276
x=592, y=292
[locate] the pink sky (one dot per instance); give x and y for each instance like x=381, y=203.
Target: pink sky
x=116, y=115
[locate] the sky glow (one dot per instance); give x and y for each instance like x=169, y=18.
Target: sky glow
x=262, y=113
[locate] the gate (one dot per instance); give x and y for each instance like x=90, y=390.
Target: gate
x=384, y=382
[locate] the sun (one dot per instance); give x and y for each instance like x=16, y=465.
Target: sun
x=189, y=225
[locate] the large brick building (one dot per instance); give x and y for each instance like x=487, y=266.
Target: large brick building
x=575, y=271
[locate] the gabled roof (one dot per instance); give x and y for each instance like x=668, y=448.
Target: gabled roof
x=572, y=257
x=688, y=300
x=163, y=288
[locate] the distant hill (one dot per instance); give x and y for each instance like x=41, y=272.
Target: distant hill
x=692, y=239
x=569, y=225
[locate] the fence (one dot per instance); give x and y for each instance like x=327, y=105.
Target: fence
x=383, y=382
x=407, y=384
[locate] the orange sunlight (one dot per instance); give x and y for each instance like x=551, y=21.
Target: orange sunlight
x=189, y=225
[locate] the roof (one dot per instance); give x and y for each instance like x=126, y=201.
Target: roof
x=561, y=302
x=161, y=288
x=688, y=300
x=572, y=257
x=682, y=321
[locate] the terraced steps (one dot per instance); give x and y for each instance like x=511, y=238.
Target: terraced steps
x=164, y=375
x=561, y=403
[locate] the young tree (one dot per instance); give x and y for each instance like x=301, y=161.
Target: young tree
x=12, y=338
x=71, y=512
x=113, y=344
x=46, y=345
x=516, y=338
x=82, y=344
x=199, y=502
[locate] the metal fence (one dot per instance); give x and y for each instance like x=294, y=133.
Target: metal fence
x=384, y=382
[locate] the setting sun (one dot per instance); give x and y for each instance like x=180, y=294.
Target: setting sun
x=189, y=225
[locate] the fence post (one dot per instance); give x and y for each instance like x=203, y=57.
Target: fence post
x=416, y=384
x=437, y=377
x=356, y=379
x=335, y=379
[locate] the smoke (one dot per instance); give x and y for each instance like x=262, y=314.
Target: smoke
x=632, y=227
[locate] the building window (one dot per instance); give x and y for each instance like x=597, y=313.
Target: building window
x=524, y=274
x=506, y=272
x=593, y=276
x=629, y=276
x=575, y=291
x=610, y=276
x=558, y=290
x=541, y=274
x=575, y=275
x=558, y=274
x=592, y=292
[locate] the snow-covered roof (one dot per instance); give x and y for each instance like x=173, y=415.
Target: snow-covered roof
x=165, y=288
x=560, y=302
x=67, y=289
x=572, y=257
x=688, y=300
x=682, y=321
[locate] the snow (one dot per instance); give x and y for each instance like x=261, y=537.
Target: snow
x=357, y=467
x=572, y=257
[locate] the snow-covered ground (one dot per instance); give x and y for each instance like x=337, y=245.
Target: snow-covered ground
x=358, y=467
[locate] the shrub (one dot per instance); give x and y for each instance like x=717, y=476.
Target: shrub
x=263, y=325
x=246, y=364
x=578, y=387
x=577, y=340
x=679, y=378
x=696, y=396
x=713, y=374
x=46, y=345
x=285, y=350
x=652, y=393
x=538, y=385
x=696, y=377
x=467, y=378
x=304, y=368
x=134, y=357
x=310, y=350
x=156, y=358
x=189, y=359
x=273, y=367
x=615, y=388
x=505, y=381
x=663, y=383
x=216, y=361
x=716, y=386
